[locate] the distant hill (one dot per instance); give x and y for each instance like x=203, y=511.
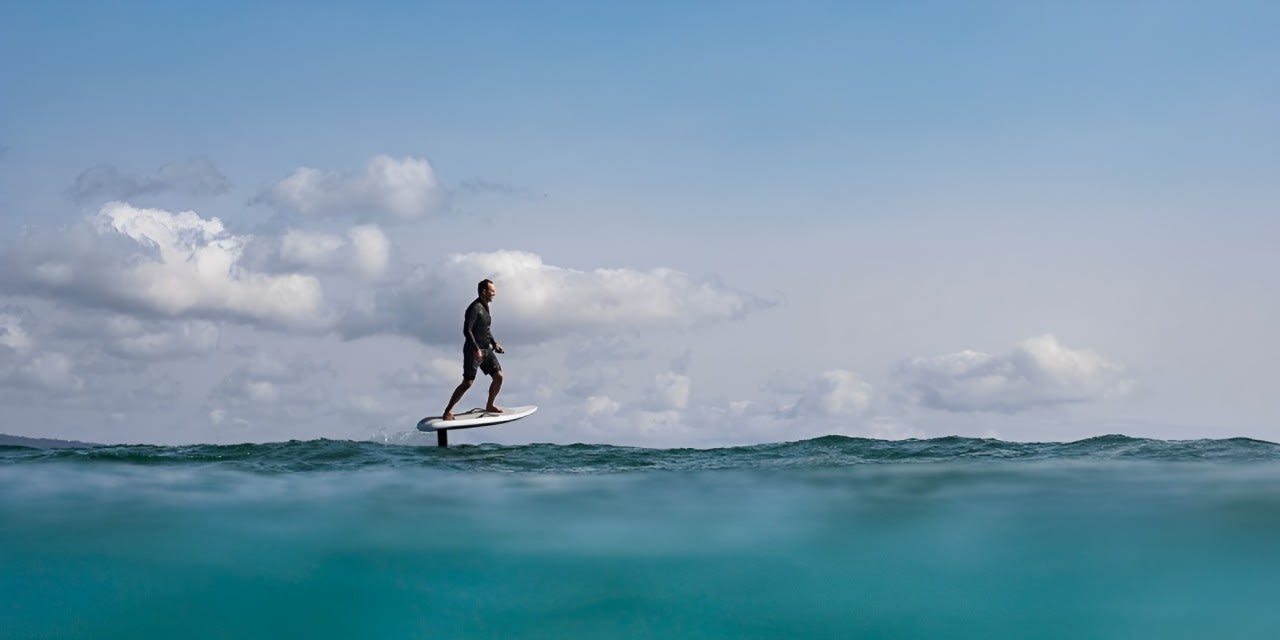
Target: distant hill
x=42, y=443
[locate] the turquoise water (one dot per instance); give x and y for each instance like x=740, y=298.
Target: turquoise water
x=837, y=537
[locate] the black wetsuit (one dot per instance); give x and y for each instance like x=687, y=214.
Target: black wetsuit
x=475, y=328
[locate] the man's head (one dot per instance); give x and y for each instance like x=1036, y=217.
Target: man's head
x=486, y=290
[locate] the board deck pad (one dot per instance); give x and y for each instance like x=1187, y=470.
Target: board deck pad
x=474, y=418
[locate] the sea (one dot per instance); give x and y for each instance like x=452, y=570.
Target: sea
x=835, y=537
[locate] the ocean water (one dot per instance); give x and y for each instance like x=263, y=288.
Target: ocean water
x=1111, y=537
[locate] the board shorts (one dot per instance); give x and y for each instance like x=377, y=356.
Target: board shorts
x=488, y=363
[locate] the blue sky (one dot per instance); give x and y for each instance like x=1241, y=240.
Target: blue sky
x=711, y=223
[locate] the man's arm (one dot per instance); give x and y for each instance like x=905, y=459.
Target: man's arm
x=468, y=322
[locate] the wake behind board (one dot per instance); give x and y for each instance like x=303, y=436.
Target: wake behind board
x=474, y=418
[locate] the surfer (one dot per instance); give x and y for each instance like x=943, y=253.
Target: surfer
x=479, y=349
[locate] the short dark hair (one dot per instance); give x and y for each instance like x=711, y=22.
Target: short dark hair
x=480, y=286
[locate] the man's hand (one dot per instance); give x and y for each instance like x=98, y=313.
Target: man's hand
x=498, y=348
x=479, y=356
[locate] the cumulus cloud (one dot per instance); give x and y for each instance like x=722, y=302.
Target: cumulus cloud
x=268, y=380
x=608, y=347
x=604, y=297
x=1039, y=372
x=136, y=339
x=405, y=188
x=13, y=335
x=834, y=393
x=600, y=406
x=155, y=264
x=371, y=251
x=151, y=261
x=363, y=407
x=23, y=364
x=309, y=249
x=436, y=372
x=197, y=177
x=364, y=250
x=292, y=396
x=669, y=391
x=538, y=302
x=155, y=394
x=50, y=371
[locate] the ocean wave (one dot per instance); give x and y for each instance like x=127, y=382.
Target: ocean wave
x=824, y=452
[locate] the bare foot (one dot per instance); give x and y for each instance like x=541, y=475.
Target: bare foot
x=493, y=409
x=448, y=415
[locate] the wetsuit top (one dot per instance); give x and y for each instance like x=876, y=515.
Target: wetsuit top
x=475, y=326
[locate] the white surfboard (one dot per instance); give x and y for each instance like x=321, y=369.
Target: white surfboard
x=474, y=418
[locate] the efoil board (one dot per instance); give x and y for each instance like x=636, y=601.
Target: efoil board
x=475, y=418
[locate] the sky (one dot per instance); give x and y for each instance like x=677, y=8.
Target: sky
x=709, y=224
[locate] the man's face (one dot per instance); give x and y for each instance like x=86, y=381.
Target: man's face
x=489, y=292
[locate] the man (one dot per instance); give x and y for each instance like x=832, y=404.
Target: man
x=478, y=349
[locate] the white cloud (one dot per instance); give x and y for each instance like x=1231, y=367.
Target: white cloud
x=134, y=339
x=436, y=372
x=664, y=412
x=158, y=393
x=537, y=301
x=365, y=250
x=406, y=188
x=600, y=406
x=669, y=391
x=267, y=379
x=12, y=334
x=281, y=395
x=372, y=250
x=197, y=177
x=24, y=364
x=606, y=347
x=309, y=249
x=835, y=393
x=156, y=262
x=1039, y=372
x=51, y=371
x=603, y=297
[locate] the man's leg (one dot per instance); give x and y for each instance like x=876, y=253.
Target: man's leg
x=494, y=388
x=457, y=395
